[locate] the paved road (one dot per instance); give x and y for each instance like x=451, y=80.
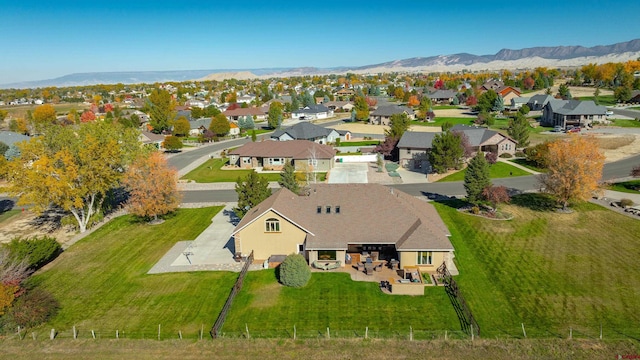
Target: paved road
x=626, y=112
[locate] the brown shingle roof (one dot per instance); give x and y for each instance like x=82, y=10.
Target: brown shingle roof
x=369, y=214
x=245, y=111
x=295, y=149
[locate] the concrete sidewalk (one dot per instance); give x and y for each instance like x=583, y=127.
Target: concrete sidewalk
x=519, y=166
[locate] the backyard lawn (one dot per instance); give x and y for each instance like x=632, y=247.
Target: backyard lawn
x=497, y=170
x=549, y=271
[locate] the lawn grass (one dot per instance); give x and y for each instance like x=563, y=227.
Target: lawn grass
x=446, y=107
x=634, y=108
x=8, y=214
x=333, y=300
x=625, y=123
x=632, y=187
x=497, y=170
x=441, y=120
x=604, y=100
x=549, y=271
x=360, y=143
x=528, y=164
x=101, y=281
x=211, y=172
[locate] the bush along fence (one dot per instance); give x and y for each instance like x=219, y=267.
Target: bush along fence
x=217, y=326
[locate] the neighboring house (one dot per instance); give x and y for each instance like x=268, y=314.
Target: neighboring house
x=9, y=138
x=414, y=147
x=246, y=99
x=508, y=93
x=234, y=130
x=199, y=126
x=259, y=113
x=537, y=102
x=572, y=113
x=273, y=155
x=344, y=93
x=382, y=115
x=517, y=102
x=635, y=97
x=337, y=222
x=195, y=103
x=346, y=106
x=442, y=96
x=149, y=138
x=311, y=132
x=312, y=112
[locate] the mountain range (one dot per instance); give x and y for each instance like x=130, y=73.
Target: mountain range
x=528, y=58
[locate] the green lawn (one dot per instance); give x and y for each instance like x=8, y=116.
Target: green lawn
x=626, y=123
x=360, y=143
x=211, y=172
x=634, y=108
x=604, y=100
x=445, y=107
x=101, y=282
x=632, y=187
x=8, y=214
x=333, y=300
x=497, y=170
x=548, y=270
x=441, y=120
x=528, y=164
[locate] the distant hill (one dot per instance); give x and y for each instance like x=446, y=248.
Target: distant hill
x=528, y=58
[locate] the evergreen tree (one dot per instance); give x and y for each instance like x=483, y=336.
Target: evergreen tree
x=252, y=190
x=519, y=130
x=254, y=137
x=476, y=178
x=498, y=104
x=486, y=101
x=288, y=178
x=446, y=152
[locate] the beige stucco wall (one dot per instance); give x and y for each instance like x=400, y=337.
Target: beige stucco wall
x=410, y=258
x=340, y=256
x=264, y=244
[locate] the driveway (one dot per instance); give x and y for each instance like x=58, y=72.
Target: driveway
x=348, y=173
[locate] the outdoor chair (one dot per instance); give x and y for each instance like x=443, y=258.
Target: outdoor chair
x=360, y=266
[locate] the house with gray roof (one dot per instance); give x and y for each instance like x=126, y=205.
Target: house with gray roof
x=335, y=223
x=273, y=155
x=9, y=138
x=198, y=126
x=311, y=132
x=382, y=115
x=442, y=96
x=312, y=112
x=537, y=102
x=517, y=102
x=572, y=113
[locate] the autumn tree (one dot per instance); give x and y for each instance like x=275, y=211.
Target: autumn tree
x=152, y=186
x=496, y=195
x=13, y=272
x=220, y=125
x=87, y=116
x=387, y=147
x=446, y=152
x=413, y=101
x=181, y=126
x=476, y=178
x=424, y=108
x=574, y=169
x=72, y=168
x=251, y=190
x=274, y=116
x=161, y=108
x=361, y=108
x=43, y=116
x=538, y=155
x=288, y=178
x=172, y=143
x=518, y=130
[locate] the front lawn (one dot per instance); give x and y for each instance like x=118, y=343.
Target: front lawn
x=8, y=214
x=528, y=164
x=438, y=121
x=101, y=281
x=604, y=100
x=625, y=123
x=360, y=143
x=632, y=187
x=497, y=170
x=211, y=172
x=549, y=271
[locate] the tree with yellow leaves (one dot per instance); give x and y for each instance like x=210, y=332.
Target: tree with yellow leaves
x=574, y=169
x=72, y=168
x=153, y=186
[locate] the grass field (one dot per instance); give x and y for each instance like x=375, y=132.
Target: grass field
x=8, y=214
x=101, y=282
x=445, y=107
x=528, y=164
x=549, y=271
x=211, y=172
x=634, y=108
x=632, y=187
x=626, y=123
x=441, y=120
x=497, y=170
x=360, y=143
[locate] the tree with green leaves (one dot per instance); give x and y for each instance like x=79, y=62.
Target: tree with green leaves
x=398, y=125
x=181, y=127
x=72, y=168
x=564, y=92
x=246, y=123
x=519, y=130
x=288, y=178
x=172, y=143
x=161, y=107
x=424, y=107
x=524, y=110
x=476, y=178
x=307, y=99
x=486, y=101
x=274, y=116
x=446, y=152
x=220, y=125
x=254, y=137
x=361, y=108
x=252, y=190
x=622, y=93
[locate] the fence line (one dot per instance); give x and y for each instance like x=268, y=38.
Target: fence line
x=467, y=321
x=217, y=326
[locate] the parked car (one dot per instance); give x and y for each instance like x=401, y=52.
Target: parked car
x=609, y=113
x=557, y=128
x=574, y=129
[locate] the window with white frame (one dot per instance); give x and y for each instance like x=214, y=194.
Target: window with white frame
x=246, y=160
x=425, y=257
x=313, y=162
x=272, y=225
x=276, y=161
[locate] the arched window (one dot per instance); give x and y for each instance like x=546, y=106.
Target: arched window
x=272, y=225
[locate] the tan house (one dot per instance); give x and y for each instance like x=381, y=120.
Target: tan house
x=382, y=115
x=340, y=222
x=258, y=113
x=273, y=155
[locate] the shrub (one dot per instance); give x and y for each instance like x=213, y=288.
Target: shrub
x=31, y=309
x=294, y=271
x=491, y=157
x=475, y=210
x=520, y=154
x=626, y=202
x=506, y=156
x=38, y=251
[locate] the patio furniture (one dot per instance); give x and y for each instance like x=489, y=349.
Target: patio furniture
x=369, y=261
x=368, y=268
x=394, y=264
x=378, y=267
x=374, y=255
x=360, y=266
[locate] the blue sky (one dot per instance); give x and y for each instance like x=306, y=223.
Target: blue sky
x=47, y=39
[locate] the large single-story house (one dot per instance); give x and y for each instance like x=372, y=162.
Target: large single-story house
x=311, y=132
x=442, y=96
x=572, y=113
x=414, y=146
x=337, y=222
x=339, y=105
x=537, y=102
x=312, y=112
x=273, y=155
x=382, y=115
x=258, y=113
x=149, y=138
x=198, y=126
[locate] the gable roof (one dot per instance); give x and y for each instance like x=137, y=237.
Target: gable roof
x=478, y=135
x=10, y=137
x=541, y=99
x=295, y=149
x=442, y=94
x=246, y=111
x=312, y=109
x=416, y=140
x=303, y=131
x=201, y=122
x=388, y=110
x=576, y=107
x=410, y=223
